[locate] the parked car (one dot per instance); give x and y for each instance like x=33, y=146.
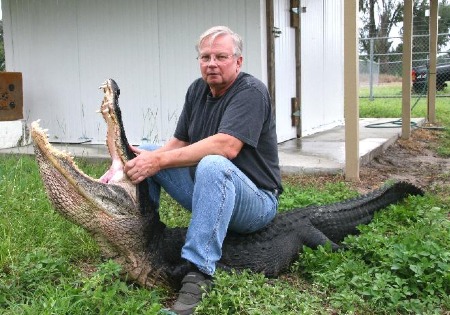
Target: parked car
x=420, y=77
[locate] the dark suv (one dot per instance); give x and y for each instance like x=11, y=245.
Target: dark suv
x=420, y=77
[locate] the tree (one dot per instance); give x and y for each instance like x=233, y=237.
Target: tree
x=421, y=20
x=378, y=18
x=421, y=43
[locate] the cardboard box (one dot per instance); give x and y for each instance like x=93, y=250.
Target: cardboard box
x=11, y=96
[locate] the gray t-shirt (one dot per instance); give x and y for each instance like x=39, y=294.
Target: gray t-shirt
x=244, y=112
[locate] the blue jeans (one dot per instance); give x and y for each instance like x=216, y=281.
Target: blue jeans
x=220, y=198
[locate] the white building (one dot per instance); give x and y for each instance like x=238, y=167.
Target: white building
x=66, y=48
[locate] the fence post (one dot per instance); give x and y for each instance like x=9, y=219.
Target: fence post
x=371, y=69
x=406, y=68
x=433, y=21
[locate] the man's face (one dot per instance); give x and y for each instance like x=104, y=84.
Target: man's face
x=218, y=64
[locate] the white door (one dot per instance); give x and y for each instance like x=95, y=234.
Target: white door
x=285, y=78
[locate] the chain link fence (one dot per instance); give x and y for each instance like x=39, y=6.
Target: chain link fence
x=380, y=66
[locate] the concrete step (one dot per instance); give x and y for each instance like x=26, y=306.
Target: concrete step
x=14, y=133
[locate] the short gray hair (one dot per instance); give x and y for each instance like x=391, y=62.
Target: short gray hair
x=215, y=31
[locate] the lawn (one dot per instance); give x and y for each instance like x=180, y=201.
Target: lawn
x=399, y=264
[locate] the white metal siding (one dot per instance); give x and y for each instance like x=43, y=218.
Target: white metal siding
x=285, y=76
x=322, y=65
x=66, y=49
x=333, y=62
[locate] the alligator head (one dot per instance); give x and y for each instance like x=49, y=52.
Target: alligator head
x=111, y=208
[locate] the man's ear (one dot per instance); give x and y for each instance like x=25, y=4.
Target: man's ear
x=239, y=63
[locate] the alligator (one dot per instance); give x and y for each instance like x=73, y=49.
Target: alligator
x=128, y=230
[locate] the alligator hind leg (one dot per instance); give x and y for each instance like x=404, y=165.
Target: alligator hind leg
x=313, y=237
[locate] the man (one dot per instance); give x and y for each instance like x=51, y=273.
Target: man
x=222, y=164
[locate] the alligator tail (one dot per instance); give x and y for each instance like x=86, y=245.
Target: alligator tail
x=338, y=220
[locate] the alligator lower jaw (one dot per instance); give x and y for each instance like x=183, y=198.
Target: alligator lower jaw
x=117, y=198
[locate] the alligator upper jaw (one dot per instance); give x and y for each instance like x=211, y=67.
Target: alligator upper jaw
x=69, y=188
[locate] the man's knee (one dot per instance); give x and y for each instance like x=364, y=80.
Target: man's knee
x=213, y=164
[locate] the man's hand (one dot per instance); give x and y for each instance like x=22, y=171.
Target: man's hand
x=145, y=164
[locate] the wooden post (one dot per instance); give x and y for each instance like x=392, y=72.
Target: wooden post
x=298, y=69
x=270, y=52
x=351, y=85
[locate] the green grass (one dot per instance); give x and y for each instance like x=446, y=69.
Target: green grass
x=400, y=264
x=395, y=90
x=391, y=107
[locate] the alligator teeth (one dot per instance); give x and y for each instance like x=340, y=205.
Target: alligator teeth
x=104, y=85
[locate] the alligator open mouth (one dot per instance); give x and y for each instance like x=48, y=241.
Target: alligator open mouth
x=113, y=192
x=63, y=178
x=111, y=208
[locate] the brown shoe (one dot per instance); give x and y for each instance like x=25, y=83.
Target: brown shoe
x=194, y=284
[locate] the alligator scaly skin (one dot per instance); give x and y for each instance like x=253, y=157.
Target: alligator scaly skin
x=119, y=216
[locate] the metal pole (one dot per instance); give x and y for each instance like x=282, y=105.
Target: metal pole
x=406, y=68
x=371, y=68
x=433, y=55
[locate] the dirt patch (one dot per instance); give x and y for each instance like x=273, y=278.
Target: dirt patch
x=414, y=160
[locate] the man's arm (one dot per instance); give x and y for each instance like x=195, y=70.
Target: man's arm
x=172, y=144
x=177, y=153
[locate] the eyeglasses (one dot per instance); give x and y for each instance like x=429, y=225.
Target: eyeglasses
x=219, y=58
